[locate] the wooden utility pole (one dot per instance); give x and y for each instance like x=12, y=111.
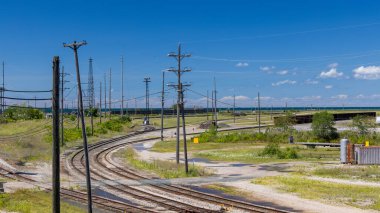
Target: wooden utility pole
x=122, y=86
x=74, y=46
x=234, y=108
x=62, y=94
x=100, y=102
x=178, y=56
x=105, y=96
x=162, y=105
x=215, y=105
x=207, y=105
x=109, y=95
x=3, y=91
x=258, y=104
x=56, y=154
x=184, y=130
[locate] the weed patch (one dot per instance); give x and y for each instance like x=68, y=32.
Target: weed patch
x=164, y=169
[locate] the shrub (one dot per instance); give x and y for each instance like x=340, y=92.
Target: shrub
x=363, y=124
x=25, y=113
x=273, y=150
x=323, y=126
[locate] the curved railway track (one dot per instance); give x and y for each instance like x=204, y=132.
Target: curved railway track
x=100, y=157
x=104, y=203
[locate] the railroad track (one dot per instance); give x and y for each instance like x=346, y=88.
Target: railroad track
x=100, y=156
x=101, y=202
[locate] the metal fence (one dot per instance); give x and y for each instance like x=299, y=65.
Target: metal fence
x=368, y=155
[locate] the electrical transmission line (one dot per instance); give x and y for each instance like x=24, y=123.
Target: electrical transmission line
x=179, y=56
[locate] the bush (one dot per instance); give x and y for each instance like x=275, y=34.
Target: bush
x=323, y=126
x=18, y=113
x=285, y=123
x=363, y=124
x=273, y=150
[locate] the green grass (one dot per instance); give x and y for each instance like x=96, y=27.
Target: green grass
x=18, y=146
x=352, y=172
x=230, y=190
x=164, y=169
x=253, y=155
x=366, y=197
x=32, y=201
x=169, y=146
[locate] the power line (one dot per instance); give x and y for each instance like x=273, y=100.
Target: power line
x=27, y=99
x=27, y=91
x=180, y=105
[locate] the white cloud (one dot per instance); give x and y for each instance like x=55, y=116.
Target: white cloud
x=284, y=82
x=267, y=69
x=360, y=96
x=332, y=72
x=264, y=98
x=309, y=81
x=341, y=96
x=283, y=72
x=328, y=86
x=310, y=98
x=333, y=65
x=237, y=98
x=242, y=64
x=367, y=73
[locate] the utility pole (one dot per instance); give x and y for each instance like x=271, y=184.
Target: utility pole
x=122, y=85
x=178, y=56
x=109, y=96
x=105, y=96
x=62, y=94
x=271, y=112
x=258, y=104
x=3, y=92
x=63, y=81
x=184, y=129
x=234, y=108
x=146, y=80
x=91, y=94
x=56, y=154
x=135, y=107
x=216, y=108
x=207, y=105
x=162, y=105
x=74, y=46
x=100, y=102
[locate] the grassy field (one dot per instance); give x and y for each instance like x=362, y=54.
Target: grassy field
x=164, y=169
x=348, y=172
x=32, y=201
x=229, y=190
x=28, y=141
x=366, y=197
x=253, y=155
x=247, y=152
x=169, y=146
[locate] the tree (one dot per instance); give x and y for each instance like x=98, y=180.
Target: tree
x=22, y=113
x=323, y=126
x=363, y=124
x=286, y=122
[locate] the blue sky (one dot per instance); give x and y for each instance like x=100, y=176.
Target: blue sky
x=325, y=53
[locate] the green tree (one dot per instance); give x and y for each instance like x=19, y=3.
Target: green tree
x=286, y=122
x=363, y=124
x=22, y=113
x=323, y=126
